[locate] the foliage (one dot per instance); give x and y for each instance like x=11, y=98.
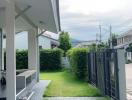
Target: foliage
x=129, y=49
x=78, y=62
x=128, y=61
x=93, y=47
x=98, y=47
x=50, y=59
x=21, y=59
x=64, y=40
x=65, y=84
x=101, y=46
x=114, y=39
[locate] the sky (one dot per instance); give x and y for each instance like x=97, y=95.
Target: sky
x=81, y=18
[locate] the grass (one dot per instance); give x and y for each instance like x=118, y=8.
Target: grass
x=64, y=84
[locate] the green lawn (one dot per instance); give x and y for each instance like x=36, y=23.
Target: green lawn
x=65, y=84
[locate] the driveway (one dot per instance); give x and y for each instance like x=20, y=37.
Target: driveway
x=129, y=78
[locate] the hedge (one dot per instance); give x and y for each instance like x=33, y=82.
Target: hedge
x=49, y=59
x=21, y=59
x=78, y=62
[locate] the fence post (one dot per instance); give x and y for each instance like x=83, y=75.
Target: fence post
x=121, y=74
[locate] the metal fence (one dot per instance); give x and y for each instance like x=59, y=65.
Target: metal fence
x=103, y=72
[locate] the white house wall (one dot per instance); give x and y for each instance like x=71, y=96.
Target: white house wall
x=21, y=41
x=45, y=42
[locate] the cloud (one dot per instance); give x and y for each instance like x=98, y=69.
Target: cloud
x=81, y=18
x=91, y=6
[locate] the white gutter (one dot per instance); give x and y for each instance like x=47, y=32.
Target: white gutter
x=55, y=7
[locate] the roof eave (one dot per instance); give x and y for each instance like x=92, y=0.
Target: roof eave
x=56, y=13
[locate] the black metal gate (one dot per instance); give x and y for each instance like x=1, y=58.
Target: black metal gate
x=92, y=69
x=103, y=72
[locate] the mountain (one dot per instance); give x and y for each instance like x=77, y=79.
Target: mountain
x=74, y=42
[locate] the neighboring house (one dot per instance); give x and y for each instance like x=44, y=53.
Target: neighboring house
x=47, y=42
x=86, y=44
x=123, y=41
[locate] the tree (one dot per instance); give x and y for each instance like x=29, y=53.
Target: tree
x=102, y=45
x=114, y=39
x=64, y=40
x=93, y=47
x=97, y=47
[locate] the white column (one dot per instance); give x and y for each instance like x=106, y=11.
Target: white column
x=38, y=56
x=10, y=50
x=33, y=51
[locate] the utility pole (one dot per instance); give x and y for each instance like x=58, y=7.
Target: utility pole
x=111, y=45
x=100, y=31
x=96, y=41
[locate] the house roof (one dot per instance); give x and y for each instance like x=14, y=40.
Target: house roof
x=86, y=43
x=37, y=13
x=43, y=14
x=127, y=33
x=49, y=37
x=53, y=41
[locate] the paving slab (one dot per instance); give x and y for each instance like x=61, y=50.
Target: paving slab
x=129, y=97
x=129, y=81
x=39, y=89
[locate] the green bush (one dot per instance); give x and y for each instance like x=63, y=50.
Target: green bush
x=78, y=62
x=21, y=59
x=50, y=59
x=128, y=61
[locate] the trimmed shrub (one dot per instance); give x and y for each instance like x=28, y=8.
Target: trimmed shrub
x=21, y=59
x=78, y=62
x=50, y=59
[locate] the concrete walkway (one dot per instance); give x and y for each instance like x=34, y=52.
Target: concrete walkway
x=129, y=78
x=129, y=81
x=39, y=89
